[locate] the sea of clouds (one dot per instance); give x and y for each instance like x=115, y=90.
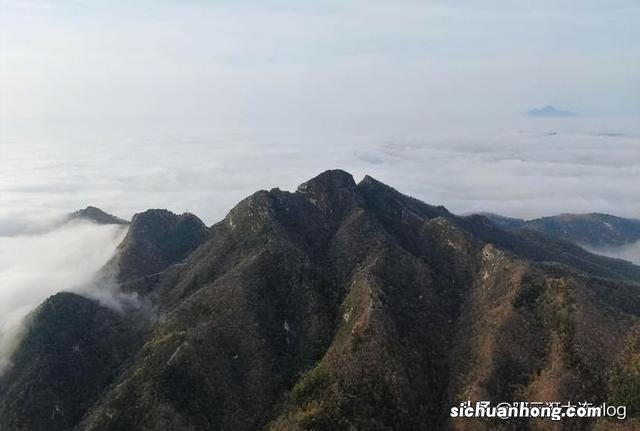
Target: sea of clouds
x=531, y=168
x=539, y=168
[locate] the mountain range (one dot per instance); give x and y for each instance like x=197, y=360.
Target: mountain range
x=340, y=306
x=593, y=230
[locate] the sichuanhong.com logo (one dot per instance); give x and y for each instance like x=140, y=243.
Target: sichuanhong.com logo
x=522, y=409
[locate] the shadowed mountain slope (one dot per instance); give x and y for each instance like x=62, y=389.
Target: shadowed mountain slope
x=352, y=306
x=156, y=240
x=72, y=349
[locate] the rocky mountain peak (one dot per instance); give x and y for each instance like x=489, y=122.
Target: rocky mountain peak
x=334, y=191
x=154, y=223
x=329, y=181
x=158, y=238
x=96, y=215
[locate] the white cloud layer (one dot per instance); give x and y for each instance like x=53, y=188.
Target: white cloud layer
x=533, y=168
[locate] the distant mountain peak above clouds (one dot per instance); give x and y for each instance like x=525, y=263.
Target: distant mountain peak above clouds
x=96, y=215
x=550, y=111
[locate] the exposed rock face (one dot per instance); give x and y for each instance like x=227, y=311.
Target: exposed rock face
x=352, y=306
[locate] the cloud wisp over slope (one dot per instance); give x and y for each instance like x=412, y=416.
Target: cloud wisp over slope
x=36, y=266
x=629, y=252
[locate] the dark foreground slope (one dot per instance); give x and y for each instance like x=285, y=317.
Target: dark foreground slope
x=345, y=306
x=72, y=349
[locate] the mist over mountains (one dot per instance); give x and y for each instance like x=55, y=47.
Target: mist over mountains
x=629, y=252
x=34, y=267
x=341, y=305
x=223, y=279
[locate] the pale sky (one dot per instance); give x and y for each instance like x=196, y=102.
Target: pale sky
x=246, y=61
x=192, y=105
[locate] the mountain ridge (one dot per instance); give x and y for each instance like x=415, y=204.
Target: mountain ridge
x=349, y=305
x=589, y=229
